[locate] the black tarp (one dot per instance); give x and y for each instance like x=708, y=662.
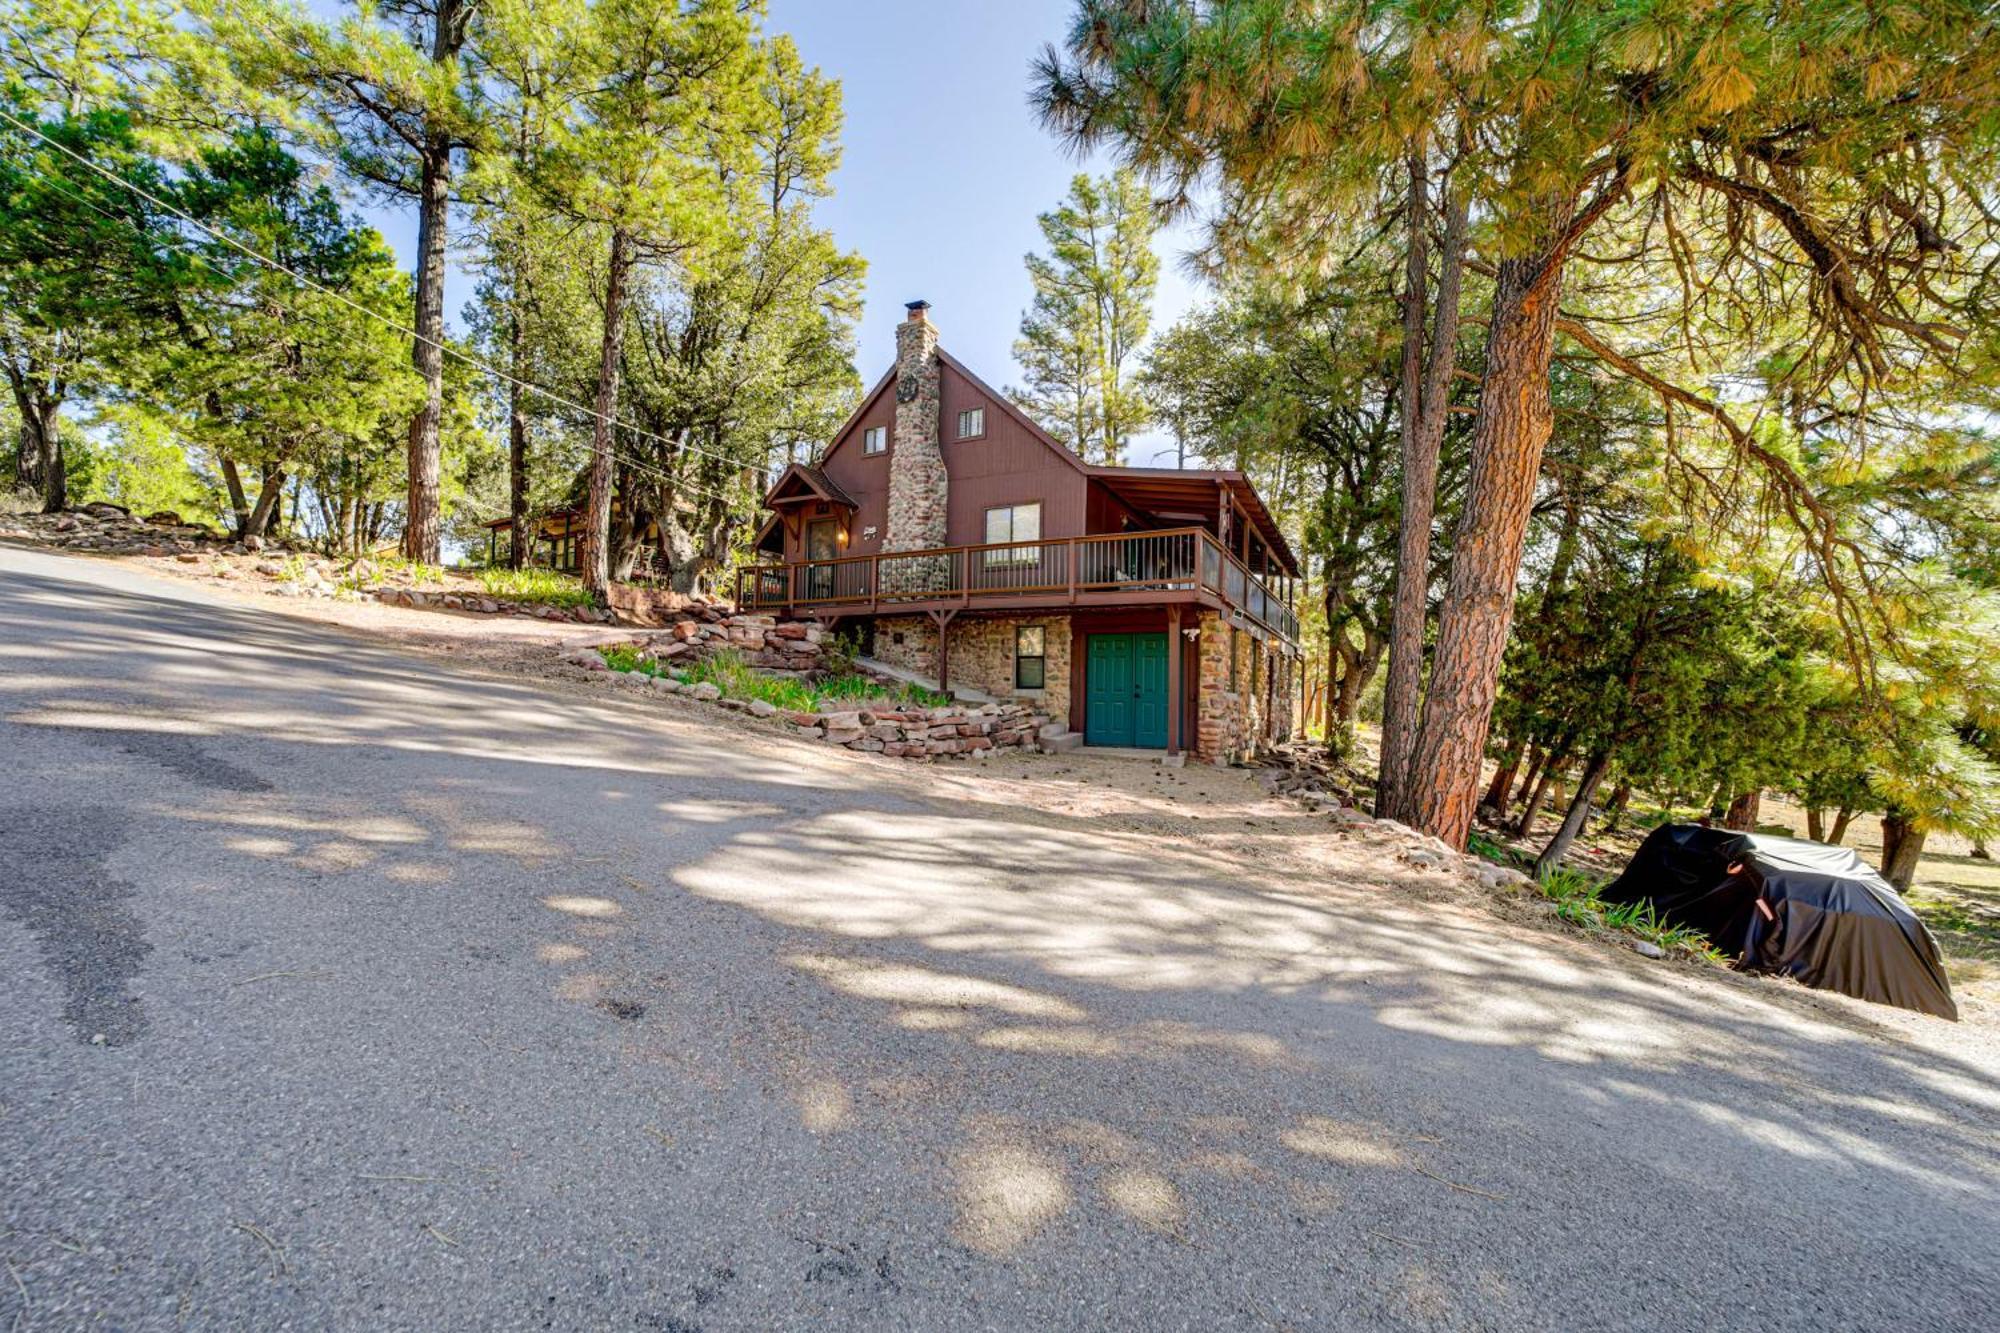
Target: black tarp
x=1833, y=923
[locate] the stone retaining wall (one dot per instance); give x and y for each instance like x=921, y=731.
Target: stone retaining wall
x=897, y=731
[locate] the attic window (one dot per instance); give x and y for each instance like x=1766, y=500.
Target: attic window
x=875, y=440
x=971, y=423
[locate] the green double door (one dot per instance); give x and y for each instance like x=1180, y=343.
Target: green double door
x=1125, y=690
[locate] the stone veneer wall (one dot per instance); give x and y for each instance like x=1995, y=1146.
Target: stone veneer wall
x=1233, y=722
x=982, y=655
x=917, y=482
x=918, y=650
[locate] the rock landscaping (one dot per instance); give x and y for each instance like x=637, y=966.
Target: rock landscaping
x=896, y=725
x=109, y=529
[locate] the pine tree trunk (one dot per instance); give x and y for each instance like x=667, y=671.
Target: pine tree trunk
x=1841, y=819
x=595, y=552
x=1742, y=815
x=1594, y=770
x=1902, y=849
x=1526, y=823
x=268, y=496
x=1502, y=786
x=1815, y=823
x=422, y=522
x=1426, y=390
x=1537, y=759
x=239, y=503
x=1514, y=424
x=517, y=447
x=38, y=463
x=39, y=468
x=1621, y=800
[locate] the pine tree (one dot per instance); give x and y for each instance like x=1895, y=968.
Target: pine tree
x=1855, y=149
x=1091, y=310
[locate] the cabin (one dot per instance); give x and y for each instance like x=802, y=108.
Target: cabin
x=556, y=540
x=1146, y=608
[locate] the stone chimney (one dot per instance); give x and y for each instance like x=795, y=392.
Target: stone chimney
x=916, y=463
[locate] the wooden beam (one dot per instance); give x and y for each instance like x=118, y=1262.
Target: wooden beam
x=942, y=619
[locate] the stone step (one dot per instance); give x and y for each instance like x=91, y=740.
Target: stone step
x=1060, y=742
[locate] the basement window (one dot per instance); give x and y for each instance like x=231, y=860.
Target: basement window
x=971, y=423
x=875, y=440
x=1030, y=657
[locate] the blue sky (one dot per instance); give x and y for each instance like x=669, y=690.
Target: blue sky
x=943, y=172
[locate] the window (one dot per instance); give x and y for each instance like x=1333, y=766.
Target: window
x=1030, y=657
x=1014, y=523
x=875, y=440
x=971, y=423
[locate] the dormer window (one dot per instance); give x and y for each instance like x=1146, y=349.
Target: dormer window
x=875, y=440
x=971, y=423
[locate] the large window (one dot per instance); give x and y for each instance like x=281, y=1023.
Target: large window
x=971, y=423
x=1014, y=523
x=1030, y=657
x=875, y=440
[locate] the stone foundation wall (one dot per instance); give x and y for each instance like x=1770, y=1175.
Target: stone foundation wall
x=917, y=650
x=1256, y=711
x=982, y=657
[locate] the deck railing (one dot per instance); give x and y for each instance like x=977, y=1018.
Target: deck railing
x=1183, y=560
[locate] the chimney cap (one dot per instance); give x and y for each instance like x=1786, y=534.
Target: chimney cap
x=916, y=308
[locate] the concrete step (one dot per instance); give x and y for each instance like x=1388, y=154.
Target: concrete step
x=1056, y=741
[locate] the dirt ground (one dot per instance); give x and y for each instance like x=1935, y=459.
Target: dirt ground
x=1230, y=814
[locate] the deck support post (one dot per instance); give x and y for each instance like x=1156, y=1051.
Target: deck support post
x=1174, y=700
x=942, y=619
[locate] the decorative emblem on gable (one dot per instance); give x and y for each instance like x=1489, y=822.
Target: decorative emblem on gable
x=906, y=388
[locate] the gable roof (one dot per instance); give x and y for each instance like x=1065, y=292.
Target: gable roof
x=1214, y=480
x=808, y=482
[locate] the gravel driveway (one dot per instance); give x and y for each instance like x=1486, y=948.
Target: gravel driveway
x=341, y=988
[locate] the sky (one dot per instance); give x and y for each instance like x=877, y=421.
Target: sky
x=943, y=172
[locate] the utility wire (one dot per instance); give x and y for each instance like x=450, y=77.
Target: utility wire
x=443, y=347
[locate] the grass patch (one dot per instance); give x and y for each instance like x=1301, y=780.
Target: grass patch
x=1486, y=849
x=543, y=587
x=389, y=565
x=737, y=679
x=624, y=657
x=1576, y=899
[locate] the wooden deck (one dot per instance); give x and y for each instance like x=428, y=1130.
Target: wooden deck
x=1180, y=565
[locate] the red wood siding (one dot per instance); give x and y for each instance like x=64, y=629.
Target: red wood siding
x=865, y=477
x=1007, y=465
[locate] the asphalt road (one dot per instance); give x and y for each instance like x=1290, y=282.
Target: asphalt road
x=340, y=989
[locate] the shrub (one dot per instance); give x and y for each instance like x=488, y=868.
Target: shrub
x=543, y=587
x=838, y=651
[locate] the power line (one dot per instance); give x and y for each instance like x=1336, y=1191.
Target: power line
x=443, y=347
